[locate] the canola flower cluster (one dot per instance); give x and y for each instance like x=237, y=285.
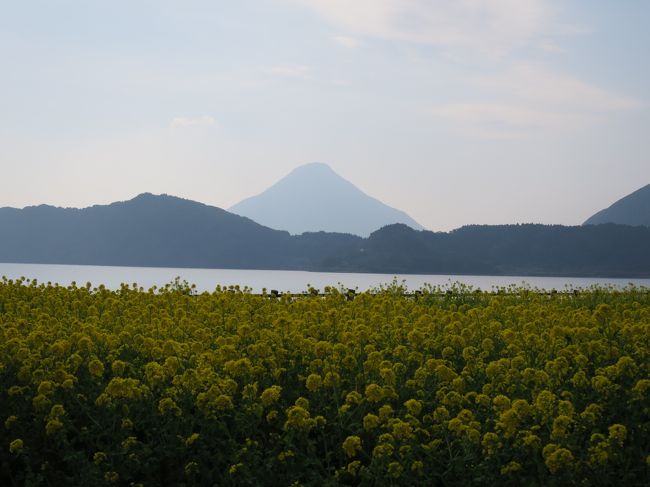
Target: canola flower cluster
x=170, y=387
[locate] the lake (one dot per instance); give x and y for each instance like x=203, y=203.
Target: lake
x=285, y=281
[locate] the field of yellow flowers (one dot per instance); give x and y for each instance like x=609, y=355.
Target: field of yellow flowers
x=171, y=387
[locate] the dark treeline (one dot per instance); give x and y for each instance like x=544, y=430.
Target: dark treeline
x=553, y=250
x=164, y=231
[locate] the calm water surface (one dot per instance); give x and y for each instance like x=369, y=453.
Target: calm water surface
x=286, y=281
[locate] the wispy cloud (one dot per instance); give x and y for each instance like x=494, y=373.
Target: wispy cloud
x=489, y=26
x=507, y=95
x=202, y=121
x=529, y=97
x=291, y=71
x=347, y=41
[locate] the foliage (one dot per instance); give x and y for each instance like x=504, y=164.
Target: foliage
x=164, y=231
x=167, y=387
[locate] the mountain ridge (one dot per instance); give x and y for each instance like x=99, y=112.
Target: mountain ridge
x=167, y=231
x=632, y=209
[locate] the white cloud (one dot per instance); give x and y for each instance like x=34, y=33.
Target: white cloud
x=529, y=97
x=202, y=121
x=505, y=96
x=489, y=26
x=347, y=41
x=550, y=46
x=539, y=84
x=291, y=71
x=505, y=120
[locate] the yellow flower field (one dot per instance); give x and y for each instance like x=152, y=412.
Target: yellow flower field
x=170, y=387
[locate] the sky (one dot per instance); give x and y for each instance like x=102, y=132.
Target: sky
x=455, y=111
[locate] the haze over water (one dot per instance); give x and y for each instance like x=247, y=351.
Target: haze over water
x=285, y=281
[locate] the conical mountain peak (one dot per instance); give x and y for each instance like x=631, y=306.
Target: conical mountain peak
x=313, y=167
x=313, y=197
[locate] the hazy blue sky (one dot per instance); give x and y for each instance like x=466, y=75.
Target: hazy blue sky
x=455, y=111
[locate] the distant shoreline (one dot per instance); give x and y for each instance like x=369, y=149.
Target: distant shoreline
x=330, y=271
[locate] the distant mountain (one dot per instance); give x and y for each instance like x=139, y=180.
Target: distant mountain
x=314, y=198
x=152, y=230
x=164, y=231
x=633, y=209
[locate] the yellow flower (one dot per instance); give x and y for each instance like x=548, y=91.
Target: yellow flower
x=385, y=412
x=154, y=374
x=191, y=439
x=96, y=368
x=271, y=395
x=511, y=467
x=351, y=445
x=223, y=402
x=599, y=453
x=40, y=402
x=15, y=391
x=10, y=421
x=618, y=433
x=395, y=469
x=532, y=441
x=417, y=467
x=168, y=405
x=561, y=425
x=557, y=458
x=473, y=435
x=57, y=411
x=501, y=402
x=313, y=382
x=383, y=450
x=99, y=458
x=53, y=426
x=402, y=430
x=129, y=442
x=374, y=393
x=491, y=443
x=111, y=477
x=272, y=416
x=353, y=397
x=302, y=402
x=413, y=406
x=118, y=367
x=298, y=418
x=46, y=388
x=250, y=392
x=284, y=455
x=370, y=421
x=16, y=446
x=191, y=468
x=441, y=414
x=354, y=467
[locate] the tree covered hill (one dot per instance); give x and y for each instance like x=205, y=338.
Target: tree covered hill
x=165, y=231
x=530, y=249
x=157, y=231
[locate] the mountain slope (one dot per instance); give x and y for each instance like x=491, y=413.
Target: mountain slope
x=517, y=250
x=148, y=230
x=633, y=209
x=164, y=231
x=314, y=198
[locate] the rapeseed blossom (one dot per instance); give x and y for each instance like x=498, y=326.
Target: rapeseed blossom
x=115, y=387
